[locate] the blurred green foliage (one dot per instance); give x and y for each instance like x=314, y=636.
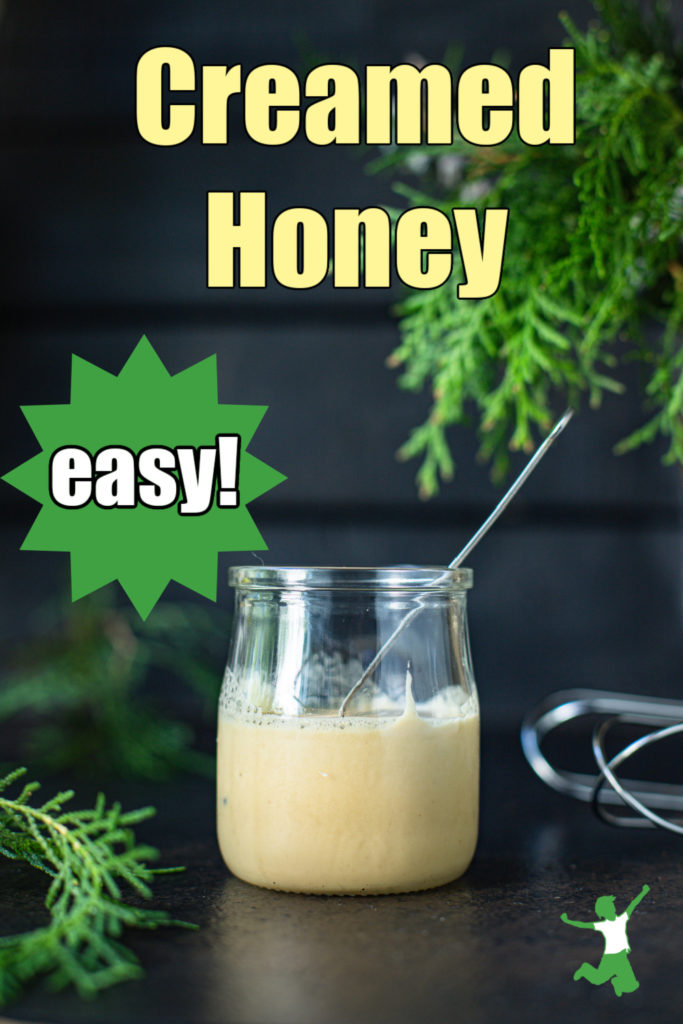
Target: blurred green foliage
x=100, y=691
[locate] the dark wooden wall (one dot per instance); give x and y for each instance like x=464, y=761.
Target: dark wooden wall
x=104, y=239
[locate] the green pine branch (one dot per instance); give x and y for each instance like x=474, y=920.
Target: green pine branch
x=91, y=857
x=594, y=254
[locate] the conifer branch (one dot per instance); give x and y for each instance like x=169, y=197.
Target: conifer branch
x=91, y=857
x=594, y=255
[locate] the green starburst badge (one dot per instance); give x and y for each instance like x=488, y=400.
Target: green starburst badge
x=144, y=477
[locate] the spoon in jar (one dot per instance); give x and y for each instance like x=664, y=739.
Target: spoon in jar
x=462, y=555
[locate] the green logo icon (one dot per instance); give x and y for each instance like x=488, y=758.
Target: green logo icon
x=144, y=477
x=615, y=965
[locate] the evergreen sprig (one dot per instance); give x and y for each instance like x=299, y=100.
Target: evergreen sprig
x=91, y=855
x=594, y=252
x=81, y=690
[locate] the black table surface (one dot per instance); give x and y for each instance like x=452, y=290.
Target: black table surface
x=490, y=947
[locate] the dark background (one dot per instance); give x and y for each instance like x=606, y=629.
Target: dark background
x=104, y=240
x=579, y=585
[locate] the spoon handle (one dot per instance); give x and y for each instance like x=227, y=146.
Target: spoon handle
x=510, y=493
x=471, y=544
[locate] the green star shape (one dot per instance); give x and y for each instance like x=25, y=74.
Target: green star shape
x=142, y=548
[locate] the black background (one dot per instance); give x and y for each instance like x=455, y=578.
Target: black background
x=579, y=585
x=104, y=240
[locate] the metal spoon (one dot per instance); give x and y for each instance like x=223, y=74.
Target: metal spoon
x=462, y=555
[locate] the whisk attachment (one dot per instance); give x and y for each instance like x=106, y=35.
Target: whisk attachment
x=605, y=790
x=644, y=817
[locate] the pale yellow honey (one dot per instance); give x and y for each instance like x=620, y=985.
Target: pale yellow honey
x=322, y=804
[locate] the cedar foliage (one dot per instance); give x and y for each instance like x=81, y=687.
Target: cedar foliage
x=91, y=856
x=594, y=252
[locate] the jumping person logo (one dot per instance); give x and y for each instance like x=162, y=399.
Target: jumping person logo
x=144, y=477
x=614, y=965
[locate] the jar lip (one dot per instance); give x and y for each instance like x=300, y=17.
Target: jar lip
x=332, y=577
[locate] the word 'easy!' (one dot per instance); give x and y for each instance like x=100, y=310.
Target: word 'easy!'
x=155, y=477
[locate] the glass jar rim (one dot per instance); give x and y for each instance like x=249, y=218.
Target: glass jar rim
x=331, y=577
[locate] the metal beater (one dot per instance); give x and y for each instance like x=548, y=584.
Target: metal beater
x=663, y=717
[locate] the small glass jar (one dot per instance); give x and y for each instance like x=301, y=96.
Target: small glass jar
x=380, y=796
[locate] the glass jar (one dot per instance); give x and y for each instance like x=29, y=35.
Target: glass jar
x=380, y=795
